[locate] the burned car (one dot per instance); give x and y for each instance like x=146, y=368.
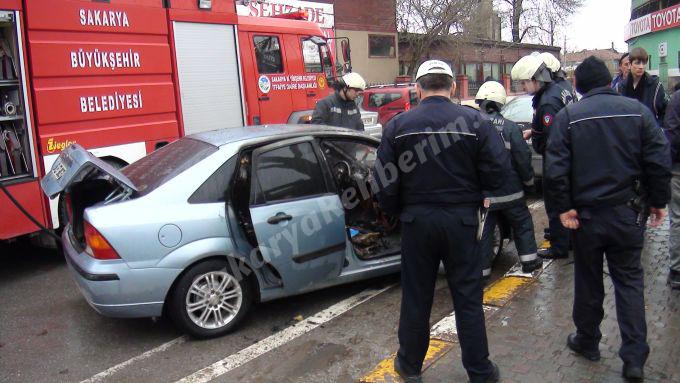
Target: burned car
x=204, y=228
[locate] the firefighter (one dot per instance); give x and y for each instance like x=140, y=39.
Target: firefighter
x=340, y=108
x=433, y=163
x=549, y=98
x=508, y=201
x=604, y=205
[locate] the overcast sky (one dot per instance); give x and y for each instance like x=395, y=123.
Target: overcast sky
x=598, y=24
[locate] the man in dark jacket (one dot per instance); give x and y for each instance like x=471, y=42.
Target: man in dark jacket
x=508, y=201
x=340, y=108
x=549, y=98
x=600, y=205
x=433, y=163
x=644, y=87
x=672, y=128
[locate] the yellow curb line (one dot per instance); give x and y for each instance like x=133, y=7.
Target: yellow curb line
x=497, y=294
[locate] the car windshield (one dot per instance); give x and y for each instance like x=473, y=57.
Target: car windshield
x=519, y=109
x=165, y=163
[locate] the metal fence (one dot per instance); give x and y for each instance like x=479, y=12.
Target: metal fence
x=473, y=87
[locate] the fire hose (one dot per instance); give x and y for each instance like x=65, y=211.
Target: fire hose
x=28, y=215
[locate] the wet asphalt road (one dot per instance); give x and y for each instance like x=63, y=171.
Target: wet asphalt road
x=48, y=333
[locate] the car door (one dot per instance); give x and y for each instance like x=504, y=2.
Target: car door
x=272, y=78
x=299, y=224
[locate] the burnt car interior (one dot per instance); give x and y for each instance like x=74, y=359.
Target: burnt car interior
x=373, y=234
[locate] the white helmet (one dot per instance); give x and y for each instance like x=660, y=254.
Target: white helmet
x=491, y=91
x=433, y=67
x=550, y=61
x=354, y=80
x=530, y=67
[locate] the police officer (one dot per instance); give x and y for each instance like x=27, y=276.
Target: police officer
x=340, y=108
x=508, y=200
x=600, y=205
x=549, y=98
x=433, y=163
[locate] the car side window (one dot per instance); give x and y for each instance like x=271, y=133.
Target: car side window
x=214, y=189
x=289, y=172
x=413, y=97
x=350, y=150
x=379, y=99
x=268, y=54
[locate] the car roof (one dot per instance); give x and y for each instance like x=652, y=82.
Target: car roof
x=390, y=88
x=225, y=136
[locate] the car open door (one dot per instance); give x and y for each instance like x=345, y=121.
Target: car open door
x=298, y=222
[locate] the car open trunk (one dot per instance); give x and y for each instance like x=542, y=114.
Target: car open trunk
x=85, y=180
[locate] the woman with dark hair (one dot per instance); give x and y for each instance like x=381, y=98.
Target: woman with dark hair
x=644, y=87
x=624, y=69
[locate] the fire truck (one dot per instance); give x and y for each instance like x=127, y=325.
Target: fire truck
x=124, y=77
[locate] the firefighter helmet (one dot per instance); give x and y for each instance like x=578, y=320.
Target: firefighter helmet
x=530, y=68
x=550, y=61
x=354, y=80
x=491, y=91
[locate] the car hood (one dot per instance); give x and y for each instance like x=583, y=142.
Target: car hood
x=75, y=165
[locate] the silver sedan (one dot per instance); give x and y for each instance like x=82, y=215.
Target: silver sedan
x=209, y=225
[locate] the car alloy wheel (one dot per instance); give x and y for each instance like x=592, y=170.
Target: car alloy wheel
x=213, y=300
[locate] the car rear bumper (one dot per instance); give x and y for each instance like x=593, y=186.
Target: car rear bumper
x=113, y=289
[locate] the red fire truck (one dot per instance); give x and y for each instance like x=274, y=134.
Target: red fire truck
x=124, y=77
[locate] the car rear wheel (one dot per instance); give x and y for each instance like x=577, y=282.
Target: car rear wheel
x=209, y=300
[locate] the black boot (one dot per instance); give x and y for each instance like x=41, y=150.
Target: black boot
x=674, y=279
x=574, y=344
x=407, y=378
x=531, y=266
x=632, y=373
x=549, y=253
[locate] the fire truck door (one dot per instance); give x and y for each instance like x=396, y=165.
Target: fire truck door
x=209, y=76
x=272, y=78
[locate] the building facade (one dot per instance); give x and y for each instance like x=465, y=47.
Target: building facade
x=609, y=56
x=655, y=26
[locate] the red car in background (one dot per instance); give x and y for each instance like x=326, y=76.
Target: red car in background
x=389, y=100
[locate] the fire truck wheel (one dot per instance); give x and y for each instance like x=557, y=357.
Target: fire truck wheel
x=209, y=299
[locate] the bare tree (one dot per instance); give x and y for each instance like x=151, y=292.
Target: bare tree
x=421, y=23
x=537, y=19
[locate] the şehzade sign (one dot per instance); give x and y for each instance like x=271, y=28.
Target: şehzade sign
x=319, y=13
x=657, y=21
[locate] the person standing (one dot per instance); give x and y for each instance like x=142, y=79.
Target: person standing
x=624, y=69
x=549, y=98
x=644, y=87
x=340, y=108
x=672, y=128
x=601, y=205
x=508, y=201
x=433, y=163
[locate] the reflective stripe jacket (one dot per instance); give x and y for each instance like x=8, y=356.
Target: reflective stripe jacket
x=521, y=172
x=440, y=154
x=599, y=147
x=335, y=111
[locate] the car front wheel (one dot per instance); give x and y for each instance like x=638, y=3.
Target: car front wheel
x=209, y=300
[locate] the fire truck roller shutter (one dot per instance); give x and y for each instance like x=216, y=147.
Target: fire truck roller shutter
x=209, y=78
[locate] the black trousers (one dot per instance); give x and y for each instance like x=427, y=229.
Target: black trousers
x=559, y=235
x=519, y=219
x=431, y=234
x=611, y=232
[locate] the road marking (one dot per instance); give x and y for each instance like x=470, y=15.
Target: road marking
x=108, y=372
x=384, y=371
x=500, y=292
x=282, y=337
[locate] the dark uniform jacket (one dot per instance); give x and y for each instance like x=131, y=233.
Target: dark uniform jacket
x=599, y=147
x=547, y=103
x=672, y=125
x=653, y=95
x=438, y=154
x=335, y=111
x=517, y=152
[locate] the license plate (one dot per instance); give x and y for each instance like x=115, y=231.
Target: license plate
x=58, y=170
x=367, y=121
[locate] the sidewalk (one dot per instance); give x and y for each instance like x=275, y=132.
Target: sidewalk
x=527, y=335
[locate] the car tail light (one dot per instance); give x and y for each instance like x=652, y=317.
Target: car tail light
x=97, y=245
x=407, y=107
